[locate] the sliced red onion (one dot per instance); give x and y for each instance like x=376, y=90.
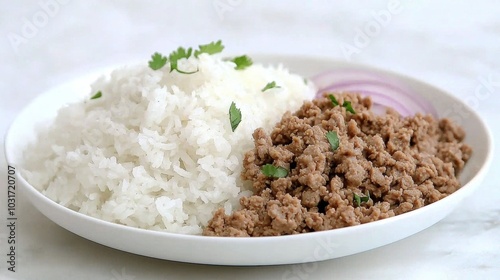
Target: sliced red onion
x=384, y=91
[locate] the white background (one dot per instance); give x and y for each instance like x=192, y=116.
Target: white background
x=451, y=44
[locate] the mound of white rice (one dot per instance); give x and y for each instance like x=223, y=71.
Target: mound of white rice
x=156, y=151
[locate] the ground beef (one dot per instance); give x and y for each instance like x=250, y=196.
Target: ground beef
x=400, y=164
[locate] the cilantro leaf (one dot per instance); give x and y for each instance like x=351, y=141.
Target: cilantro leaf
x=234, y=116
x=348, y=107
x=360, y=199
x=211, y=48
x=333, y=139
x=178, y=54
x=357, y=200
x=157, y=61
x=270, y=86
x=97, y=95
x=272, y=171
x=333, y=99
x=242, y=62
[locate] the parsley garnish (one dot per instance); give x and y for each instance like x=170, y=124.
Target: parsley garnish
x=348, y=107
x=242, y=62
x=211, y=48
x=333, y=99
x=333, y=138
x=234, y=116
x=272, y=171
x=97, y=95
x=270, y=86
x=360, y=199
x=157, y=61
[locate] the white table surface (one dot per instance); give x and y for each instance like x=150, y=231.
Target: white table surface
x=449, y=44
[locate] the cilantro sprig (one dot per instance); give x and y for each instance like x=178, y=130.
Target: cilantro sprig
x=234, y=116
x=274, y=171
x=360, y=199
x=242, y=62
x=270, y=85
x=211, y=48
x=177, y=55
x=333, y=139
x=97, y=95
x=333, y=99
x=348, y=107
x=158, y=60
x=347, y=104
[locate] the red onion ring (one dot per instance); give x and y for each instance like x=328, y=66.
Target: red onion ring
x=384, y=91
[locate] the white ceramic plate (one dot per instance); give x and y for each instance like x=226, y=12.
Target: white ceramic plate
x=300, y=248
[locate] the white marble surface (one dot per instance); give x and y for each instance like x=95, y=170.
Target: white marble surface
x=451, y=44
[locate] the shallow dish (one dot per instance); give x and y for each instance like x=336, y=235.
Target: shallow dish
x=299, y=248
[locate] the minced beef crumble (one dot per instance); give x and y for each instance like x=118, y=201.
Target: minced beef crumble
x=401, y=163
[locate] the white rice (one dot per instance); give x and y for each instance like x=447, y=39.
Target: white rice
x=156, y=151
